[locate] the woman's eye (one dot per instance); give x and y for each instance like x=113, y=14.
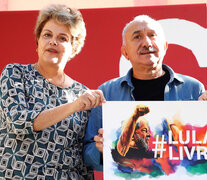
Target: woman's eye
x=47, y=35
x=63, y=38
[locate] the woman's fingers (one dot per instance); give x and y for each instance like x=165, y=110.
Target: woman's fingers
x=93, y=98
x=89, y=99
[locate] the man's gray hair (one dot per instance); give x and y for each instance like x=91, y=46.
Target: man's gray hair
x=140, y=18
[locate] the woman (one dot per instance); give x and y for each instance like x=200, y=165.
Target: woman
x=43, y=112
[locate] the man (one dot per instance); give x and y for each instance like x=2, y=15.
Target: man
x=144, y=45
x=135, y=135
x=133, y=143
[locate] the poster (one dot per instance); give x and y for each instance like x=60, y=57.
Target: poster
x=155, y=140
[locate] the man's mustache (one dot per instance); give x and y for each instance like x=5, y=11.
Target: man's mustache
x=147, y=49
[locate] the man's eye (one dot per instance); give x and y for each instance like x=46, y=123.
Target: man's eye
x=137, y=37
x=152, y=35
x=144, y=130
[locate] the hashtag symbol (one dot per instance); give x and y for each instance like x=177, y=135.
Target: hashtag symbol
x=159, y=146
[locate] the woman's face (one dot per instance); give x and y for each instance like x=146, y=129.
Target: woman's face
x=55, y=44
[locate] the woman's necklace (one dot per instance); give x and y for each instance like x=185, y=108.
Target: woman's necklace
x=50, y=80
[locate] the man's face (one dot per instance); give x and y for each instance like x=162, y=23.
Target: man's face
x=145, y=45
x=142, y=135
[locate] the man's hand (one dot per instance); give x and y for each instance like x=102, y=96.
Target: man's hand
x=99, y=140
x=141, y=110
x=203, y=97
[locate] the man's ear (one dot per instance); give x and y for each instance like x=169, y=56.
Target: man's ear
x=124, y=52
x=165, y=48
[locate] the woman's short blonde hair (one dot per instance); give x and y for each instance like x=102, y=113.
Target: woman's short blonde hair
x=67, y=16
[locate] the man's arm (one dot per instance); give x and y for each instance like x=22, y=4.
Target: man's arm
x=126, y=135
x=91, y=154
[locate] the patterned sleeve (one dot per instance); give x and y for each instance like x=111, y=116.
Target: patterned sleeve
x=16, y=116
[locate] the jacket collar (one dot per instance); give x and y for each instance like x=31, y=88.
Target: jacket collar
x=173, y=76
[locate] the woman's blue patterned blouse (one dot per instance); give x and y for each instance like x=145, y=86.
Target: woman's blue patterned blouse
x=53, y=153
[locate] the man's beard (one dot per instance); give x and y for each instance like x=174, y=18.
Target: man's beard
x=141, y=143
